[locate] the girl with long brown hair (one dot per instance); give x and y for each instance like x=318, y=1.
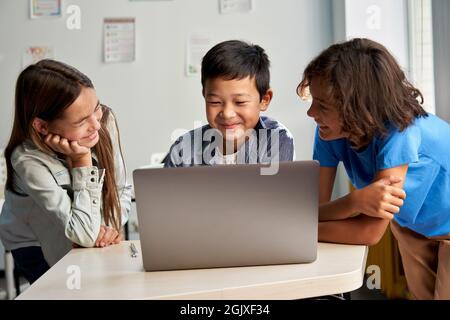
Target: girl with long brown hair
x=370, y=117
x=66, y=181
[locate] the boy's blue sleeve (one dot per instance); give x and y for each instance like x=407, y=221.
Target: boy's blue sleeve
x=419, y=181
x=323, y=152
x=398, y=148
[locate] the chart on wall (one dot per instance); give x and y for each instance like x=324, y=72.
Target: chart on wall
x=45, y=9
x=119, y=40
x=197, y=44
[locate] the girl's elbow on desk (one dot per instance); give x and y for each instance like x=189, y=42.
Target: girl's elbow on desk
x=85, y=238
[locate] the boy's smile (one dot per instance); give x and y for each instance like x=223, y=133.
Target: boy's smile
x=324, y=112
x=233, y=107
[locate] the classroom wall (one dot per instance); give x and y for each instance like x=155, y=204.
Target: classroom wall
x=384, y=21
x=152, y=96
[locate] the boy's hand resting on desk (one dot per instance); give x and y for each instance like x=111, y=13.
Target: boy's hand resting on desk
x=107, y=236
x=380, y=199
x=76, y=155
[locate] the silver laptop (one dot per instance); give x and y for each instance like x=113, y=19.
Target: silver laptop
x=227, y=215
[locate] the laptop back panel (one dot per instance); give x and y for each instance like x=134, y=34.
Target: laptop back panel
x=225, y=216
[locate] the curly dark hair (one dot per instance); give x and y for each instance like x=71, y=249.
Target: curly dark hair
x=368, y=88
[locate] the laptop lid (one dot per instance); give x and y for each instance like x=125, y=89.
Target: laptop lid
x=225, y=216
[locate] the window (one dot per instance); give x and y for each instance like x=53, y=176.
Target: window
x=421, y=50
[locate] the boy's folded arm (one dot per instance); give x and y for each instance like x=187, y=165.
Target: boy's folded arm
x=354, y=203
x=398, y=172
x=332, y=210
x=362, y=230
x=338, y=209
x=391, y=193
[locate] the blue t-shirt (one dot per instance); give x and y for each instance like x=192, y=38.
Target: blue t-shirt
x=425, y=147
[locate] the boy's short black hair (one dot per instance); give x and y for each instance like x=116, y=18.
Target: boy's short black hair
x=236, y=59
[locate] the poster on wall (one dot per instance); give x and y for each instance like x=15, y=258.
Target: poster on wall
x=45, y=9
x=235, y=6
x=33, y=54
x=198, y=43
x=119, y=40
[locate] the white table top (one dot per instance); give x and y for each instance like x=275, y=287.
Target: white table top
x=111, y=273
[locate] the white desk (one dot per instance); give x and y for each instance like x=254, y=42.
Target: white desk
x=111, y=273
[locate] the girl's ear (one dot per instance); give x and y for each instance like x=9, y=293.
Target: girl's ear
x=266, y=100
x=40, y=126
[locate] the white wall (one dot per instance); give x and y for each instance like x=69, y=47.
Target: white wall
x=151, y=96
x=384, y=21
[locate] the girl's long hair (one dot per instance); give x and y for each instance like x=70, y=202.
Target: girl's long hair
x=45, y=90
x=368, y=88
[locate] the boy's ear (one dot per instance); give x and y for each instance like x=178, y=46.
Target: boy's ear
x=40, y=126
x=265, y=101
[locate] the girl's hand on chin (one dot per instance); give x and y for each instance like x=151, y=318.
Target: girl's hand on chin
x=77, y=156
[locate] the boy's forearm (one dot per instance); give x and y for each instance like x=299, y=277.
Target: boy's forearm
x=363, y=230
x=339, y=209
